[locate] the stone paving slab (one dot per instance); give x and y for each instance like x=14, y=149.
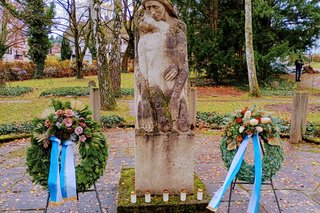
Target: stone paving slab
x=297, y=183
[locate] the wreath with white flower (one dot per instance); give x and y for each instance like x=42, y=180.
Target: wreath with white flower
x=247, y=122
x=68, y=121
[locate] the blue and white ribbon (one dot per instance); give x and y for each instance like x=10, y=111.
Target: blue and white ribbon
x=54, y=176
x=61, y=182
x=233, y=171
x=67, y=173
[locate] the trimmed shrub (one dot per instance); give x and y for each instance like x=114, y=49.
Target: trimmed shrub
x=79, y=91
x=127, y=91
x=66, y=91
x=111, y=121
x=14, y=91
x=211, y=118
x=6, y=129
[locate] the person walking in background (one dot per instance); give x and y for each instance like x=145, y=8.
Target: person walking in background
x=299, y=64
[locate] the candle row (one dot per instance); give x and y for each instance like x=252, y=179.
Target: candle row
x=165, y=196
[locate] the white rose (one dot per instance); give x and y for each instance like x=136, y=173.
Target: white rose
x=254, y=122
x=266, y=120
x=241, y=129
x=247, y=115
x=259, y=129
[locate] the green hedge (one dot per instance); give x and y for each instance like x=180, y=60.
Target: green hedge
x=6, y=129
x=66, y=91
x=14, y=91
x=112, y=121
x=79, y=91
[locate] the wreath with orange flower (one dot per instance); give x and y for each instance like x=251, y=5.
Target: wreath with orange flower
x=246, y=122
x=68, y=121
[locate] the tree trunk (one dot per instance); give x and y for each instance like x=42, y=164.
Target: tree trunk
x=128, y=53
x=215, y=10
x=107, y=99
x=253, y=81
x=2, y=76
x=115, y=57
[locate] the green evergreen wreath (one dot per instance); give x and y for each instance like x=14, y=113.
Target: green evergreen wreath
x=251, y=121
x=69, y=120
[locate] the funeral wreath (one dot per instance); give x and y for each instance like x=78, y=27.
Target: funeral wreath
x=68, y=121
x=247, y=122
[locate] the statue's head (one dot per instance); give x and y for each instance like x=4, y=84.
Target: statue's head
x=159, y=9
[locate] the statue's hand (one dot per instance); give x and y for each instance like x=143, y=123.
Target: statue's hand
x=171, y=72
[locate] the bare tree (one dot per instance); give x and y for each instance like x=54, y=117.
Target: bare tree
x=115, y=57
x=12, y=31
x=77, y=27
x=252, y=75
x=130, y=8
x=107, y=99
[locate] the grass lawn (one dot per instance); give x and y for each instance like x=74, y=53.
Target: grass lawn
x=28, y=106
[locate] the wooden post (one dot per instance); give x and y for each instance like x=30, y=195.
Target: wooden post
x=95, y=101
x=298, y=117
x=193, y=111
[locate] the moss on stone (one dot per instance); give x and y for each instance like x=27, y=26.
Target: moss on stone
x=157, y=205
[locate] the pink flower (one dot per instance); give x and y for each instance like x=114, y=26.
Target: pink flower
x=68, y=122
x=68, y=113
x=47, y=123
x=78, y=130
x=82, y=124
x=82, y=138
x=59, y=112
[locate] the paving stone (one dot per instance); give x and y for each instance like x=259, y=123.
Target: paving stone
x=297, y=182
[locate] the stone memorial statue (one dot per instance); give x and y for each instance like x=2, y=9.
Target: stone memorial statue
x=161, y=69
x=164, y=141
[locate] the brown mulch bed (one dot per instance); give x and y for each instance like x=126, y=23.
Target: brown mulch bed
x=219, y=91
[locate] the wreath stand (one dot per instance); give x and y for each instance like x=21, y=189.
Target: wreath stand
x=234, y=182
x=90, y=190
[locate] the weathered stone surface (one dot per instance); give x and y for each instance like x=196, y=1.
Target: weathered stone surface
x=161, y=70
x=164, y=161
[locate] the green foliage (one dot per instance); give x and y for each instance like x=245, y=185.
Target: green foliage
x=111, y=121
x=271, y=162
x=211, y=118
x=6, y=129
x=66, y=91
x=313, y=130
x=65, y=49
x=280, y=28
x=39, y=21
x=127, y=91
x=14, y=91
x=79, y=91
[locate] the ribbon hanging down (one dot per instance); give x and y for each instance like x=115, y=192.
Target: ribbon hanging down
x=62, y=182
x=68, y=173
x=233, y=171
x=54, y=176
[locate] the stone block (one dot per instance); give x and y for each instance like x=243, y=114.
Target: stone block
x=164, y=161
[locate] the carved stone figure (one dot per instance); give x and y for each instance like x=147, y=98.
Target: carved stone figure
x=161, y=69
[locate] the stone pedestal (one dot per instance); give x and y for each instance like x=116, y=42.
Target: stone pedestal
x=164, y=161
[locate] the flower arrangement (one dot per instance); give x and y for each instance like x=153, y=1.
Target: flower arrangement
x=68, y=121
x=248, y=122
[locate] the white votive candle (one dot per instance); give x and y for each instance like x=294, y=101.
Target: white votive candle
x=183, y=195
x=147, y=197
x=165, y=195
x=200, y=194
x=133, y=197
